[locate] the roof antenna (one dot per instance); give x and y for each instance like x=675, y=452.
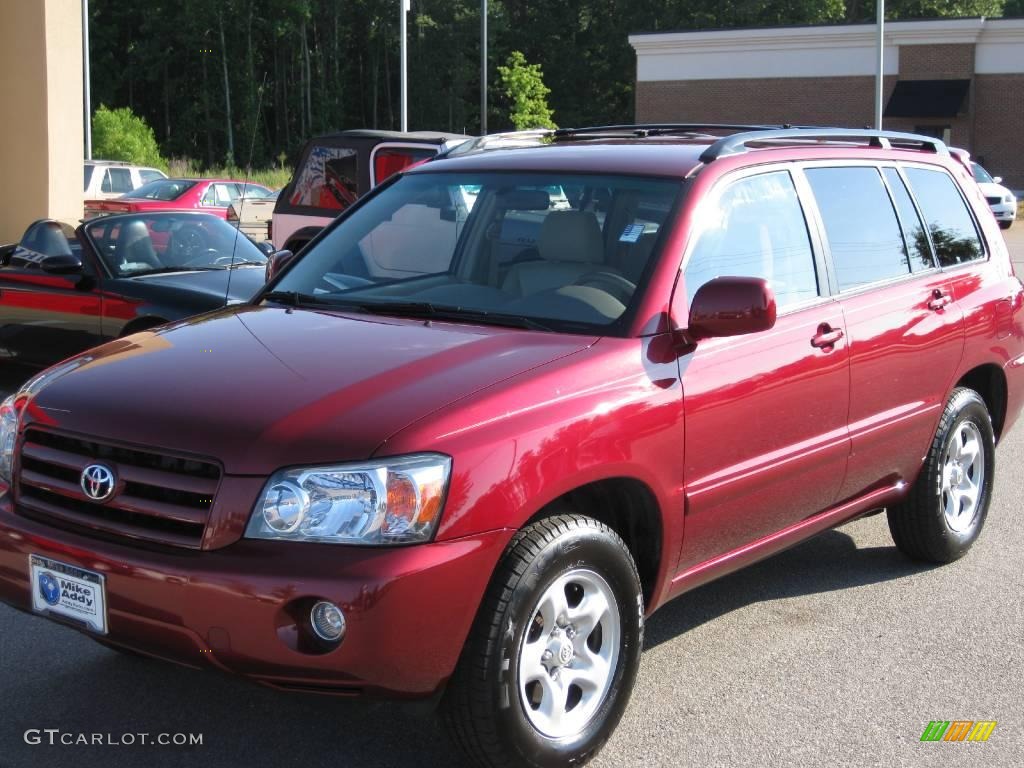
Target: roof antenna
x=245, y=187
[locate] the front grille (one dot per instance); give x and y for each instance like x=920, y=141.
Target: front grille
x=158, y=498
x=994, y=200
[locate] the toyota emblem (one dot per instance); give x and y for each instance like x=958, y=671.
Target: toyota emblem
x=98, y=482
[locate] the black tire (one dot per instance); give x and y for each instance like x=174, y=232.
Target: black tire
x=483, y=709
x=919, y=525
x=1005, y=224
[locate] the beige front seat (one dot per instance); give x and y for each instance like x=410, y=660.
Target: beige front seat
x=570, y=245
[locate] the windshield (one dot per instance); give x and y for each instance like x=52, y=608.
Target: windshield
x=169, y=242
x=162, y=189
x=566, y=251
x=981, y=175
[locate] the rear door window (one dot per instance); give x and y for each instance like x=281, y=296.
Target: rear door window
x=913, y=229
x=328, y=179
x=226, y=194
x=863, y=232
x=757, y=229
x=950, y=224
x=117, y=180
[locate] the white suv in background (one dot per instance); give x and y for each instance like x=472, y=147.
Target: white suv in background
x=1000, y=199
x=105, y=179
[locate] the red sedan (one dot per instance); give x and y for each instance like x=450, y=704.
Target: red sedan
x=207, y=195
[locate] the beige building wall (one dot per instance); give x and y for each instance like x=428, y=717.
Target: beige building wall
x=41, y=135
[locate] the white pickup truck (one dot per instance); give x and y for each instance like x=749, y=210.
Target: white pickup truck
x=336, y=169
x=252, y=213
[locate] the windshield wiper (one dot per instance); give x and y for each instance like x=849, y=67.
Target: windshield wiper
x=291, y=298
x=427, y=310
x=168, y=270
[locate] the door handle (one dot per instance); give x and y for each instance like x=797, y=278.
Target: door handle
x=827, y=336
x=939, y=300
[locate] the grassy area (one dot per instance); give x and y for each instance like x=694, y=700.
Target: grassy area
x=275, y=178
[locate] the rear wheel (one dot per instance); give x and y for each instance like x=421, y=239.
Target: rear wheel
x=550, y=664
x=945, y=511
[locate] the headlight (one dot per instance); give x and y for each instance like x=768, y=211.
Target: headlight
x=8, y=435
x=391, y=501
x=1010, y=199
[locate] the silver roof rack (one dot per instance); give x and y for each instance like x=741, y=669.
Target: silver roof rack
x=529, y=138
x=738, y=142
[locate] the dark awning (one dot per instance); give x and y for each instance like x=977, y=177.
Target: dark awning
x=927, y=98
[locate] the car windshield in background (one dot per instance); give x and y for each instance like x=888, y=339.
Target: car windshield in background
x=162, y=189
x=255, y=191
x=566, y=252
x=169, y=242
x=981, y=175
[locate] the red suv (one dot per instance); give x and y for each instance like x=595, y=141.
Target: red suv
x=515, y=400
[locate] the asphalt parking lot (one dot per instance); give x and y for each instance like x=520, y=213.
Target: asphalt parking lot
x=837, y=652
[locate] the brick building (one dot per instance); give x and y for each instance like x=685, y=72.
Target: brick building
x=958, y=79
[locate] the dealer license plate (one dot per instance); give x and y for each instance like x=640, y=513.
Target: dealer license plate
x=69, y=592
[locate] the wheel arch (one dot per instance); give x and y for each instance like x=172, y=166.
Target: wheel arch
x=630, y=508
x=989, y=381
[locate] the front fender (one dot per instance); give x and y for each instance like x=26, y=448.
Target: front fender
x=602, y=413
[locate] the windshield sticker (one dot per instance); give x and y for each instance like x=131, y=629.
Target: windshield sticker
x=631, y=233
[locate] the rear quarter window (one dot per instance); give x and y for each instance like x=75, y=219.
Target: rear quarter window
x=950, y=224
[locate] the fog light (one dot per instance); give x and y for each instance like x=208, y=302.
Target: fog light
x=328, y=621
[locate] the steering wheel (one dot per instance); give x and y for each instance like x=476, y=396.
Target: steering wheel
x=609, y=282
x=211, y=258
x=189, y=245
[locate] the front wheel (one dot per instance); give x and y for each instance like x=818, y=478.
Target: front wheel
x=549, y=666
x=945, y=511
x=1005, y=224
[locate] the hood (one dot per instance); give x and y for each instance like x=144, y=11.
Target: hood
x=988, y=189
x=245, y=282
x=259, y=388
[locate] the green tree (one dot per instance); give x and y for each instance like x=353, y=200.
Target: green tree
x=119, y=134
x=523, y=85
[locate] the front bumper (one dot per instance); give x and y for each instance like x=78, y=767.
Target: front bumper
x=408, y=609
x=1004, y=211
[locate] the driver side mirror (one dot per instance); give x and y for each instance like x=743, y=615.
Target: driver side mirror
x=731, y=306
x=997, y=179
x=266, y=248
x=61, y=264
x=278, y=261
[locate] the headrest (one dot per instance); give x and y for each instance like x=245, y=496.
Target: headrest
x=51, y=240
x=571, y=236
x=132, y=232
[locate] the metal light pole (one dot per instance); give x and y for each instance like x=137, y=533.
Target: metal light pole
x=404, y=6
x=483, y=67
x=86, y=104
x=880, y=74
